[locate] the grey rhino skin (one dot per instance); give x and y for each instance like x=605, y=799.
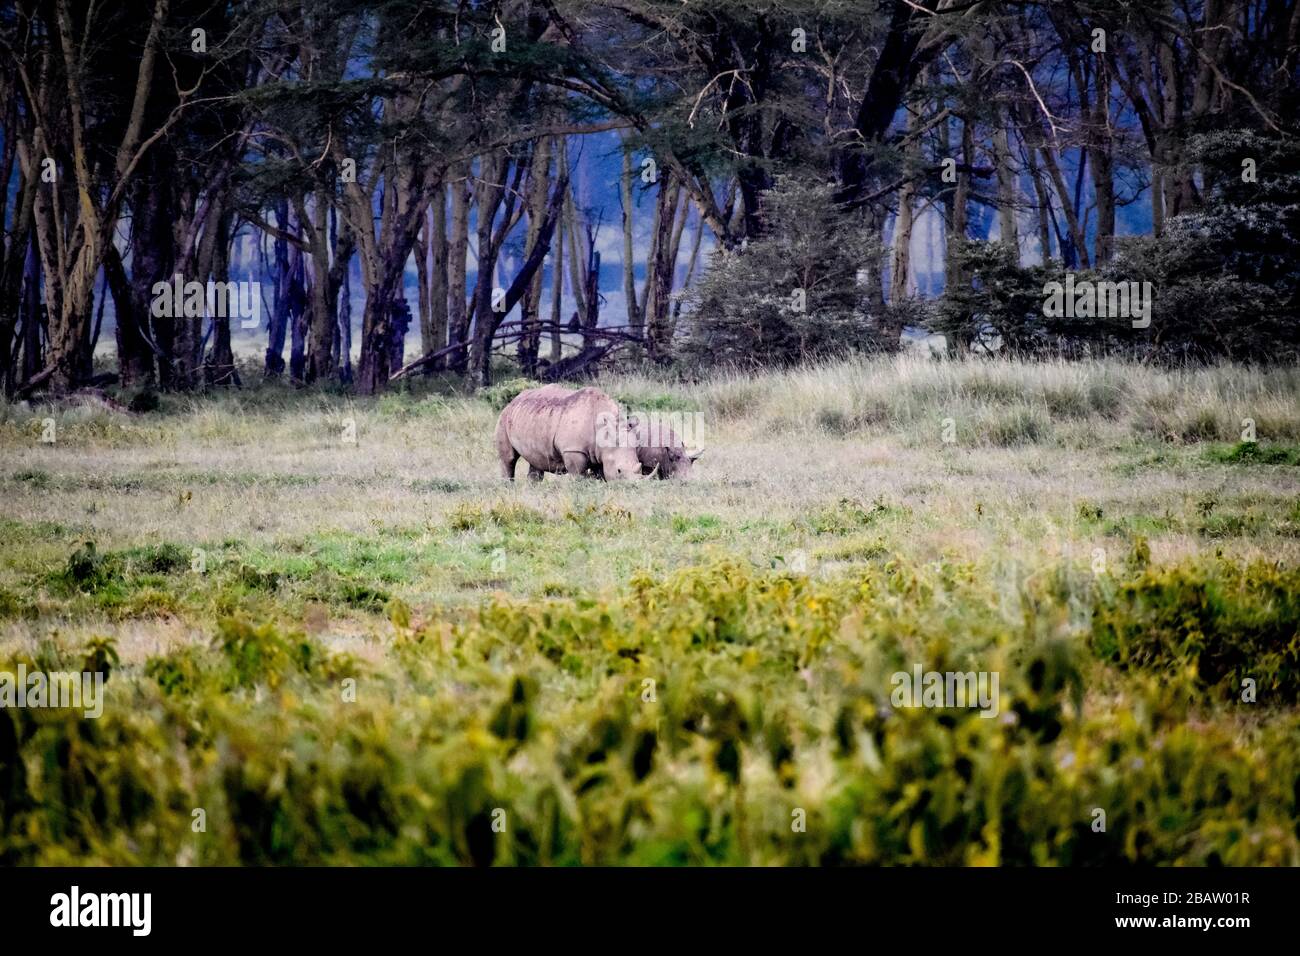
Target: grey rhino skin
x=662, y=453
x=555, y=430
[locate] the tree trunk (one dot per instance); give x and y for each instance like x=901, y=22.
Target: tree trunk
x=345, y=329
x=1006, y=174
x=696, y=238
x=492, y=169
x=634, y=317
x=591, y=319
x=457, y=269
x=20, y=246
x=151, y=262
x=663, y=265
x=958, y=213
x=437, y=277
x=297, y=316
x=1044, y=201
x=530, y=307
x=319, y=364
x=900, y=273
x=279, y=323
x=557, y=293
x=30, y=308
x=373, y=366
x=219, y=368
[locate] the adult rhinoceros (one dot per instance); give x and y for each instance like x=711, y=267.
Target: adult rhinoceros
x=556, y=429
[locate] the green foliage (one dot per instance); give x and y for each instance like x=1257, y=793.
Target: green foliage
x=507, y=515
x=656, y=402
x=1249, y=452
x=683, y=721
x=164, y=558
x=143, y=401
x=678, y=714
x=89, y=571
x=1226, y=275
x=1217, y=625
x=179, y=673
x=849, y=515
x=746, y=307
x=260, y=654
x=996, y=297
x=101, y=656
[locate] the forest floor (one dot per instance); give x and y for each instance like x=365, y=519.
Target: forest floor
x=336, y=631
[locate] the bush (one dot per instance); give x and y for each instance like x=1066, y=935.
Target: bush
x=681, y=721
x=790, y=295
x=996, y=297
x=1249, y=452
x=1226, y=275
x=1219, y=625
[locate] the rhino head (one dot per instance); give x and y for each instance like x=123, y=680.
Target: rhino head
x=662, y=454
x=618, y=453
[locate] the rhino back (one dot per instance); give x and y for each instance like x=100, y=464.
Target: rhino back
x=541, y=423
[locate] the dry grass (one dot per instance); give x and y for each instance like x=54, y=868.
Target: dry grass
x=501, y=635
x=1047, y=461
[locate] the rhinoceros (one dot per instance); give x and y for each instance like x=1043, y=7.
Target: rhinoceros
x=661, y=452
x=558, y=430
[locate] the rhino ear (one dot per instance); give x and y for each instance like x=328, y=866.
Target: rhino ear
x=693, y=455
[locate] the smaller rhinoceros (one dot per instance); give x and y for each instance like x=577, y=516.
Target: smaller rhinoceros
x=662, y=453
x=559, y=430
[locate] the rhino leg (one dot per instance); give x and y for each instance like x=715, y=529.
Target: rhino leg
x=508, y=467
x=507, y=454
x=575, y=463
x=535, y=473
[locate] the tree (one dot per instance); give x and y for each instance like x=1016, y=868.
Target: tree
x=790, y=295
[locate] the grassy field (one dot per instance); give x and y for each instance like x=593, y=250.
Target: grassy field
x=332, y=634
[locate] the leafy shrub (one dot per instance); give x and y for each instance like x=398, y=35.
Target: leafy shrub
x=1249, y=452
x=164, y=558
x=257, y=579
x=101, y=656
x=507, y=515
x=1232, y=258
x=681, y=721
x=11, y=605
x=1220, y=624
x=656, y=402
x=179, y=673
x=88, y=571
x=261, y=654
x=35, y=477
x=144, y=400
x=850, y=514
x=790, y=295
x=994, y=296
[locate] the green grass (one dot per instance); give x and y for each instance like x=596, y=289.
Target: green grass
x=1256, y=454
x=371, y=652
